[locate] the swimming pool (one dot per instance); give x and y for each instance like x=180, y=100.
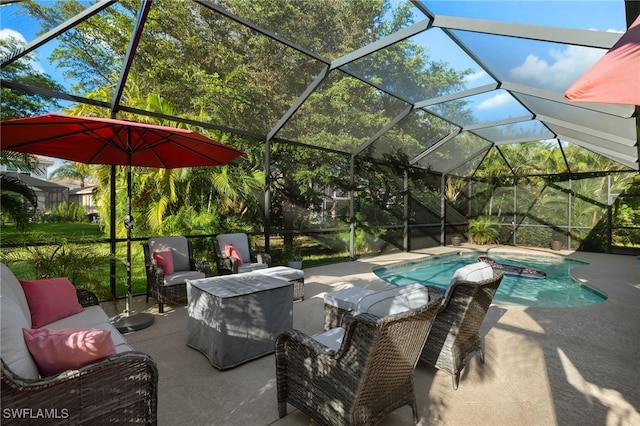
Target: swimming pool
x=557, y=290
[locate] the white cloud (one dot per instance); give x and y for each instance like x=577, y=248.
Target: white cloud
x=610, y=30
x=7, y=33
x=563, y=68
x=475, y=76
x=498, y=101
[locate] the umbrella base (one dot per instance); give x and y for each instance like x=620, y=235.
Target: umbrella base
x=132, y=321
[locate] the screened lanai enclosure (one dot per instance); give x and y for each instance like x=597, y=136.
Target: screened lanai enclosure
x=379, y=125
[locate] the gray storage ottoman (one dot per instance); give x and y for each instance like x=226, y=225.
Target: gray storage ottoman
x=236, y=318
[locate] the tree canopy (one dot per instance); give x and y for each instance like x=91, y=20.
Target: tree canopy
x=195, y=63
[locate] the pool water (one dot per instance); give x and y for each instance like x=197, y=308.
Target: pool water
x=557, y=290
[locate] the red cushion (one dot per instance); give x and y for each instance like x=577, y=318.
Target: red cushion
x=231, y=251
x=55, y=351
x=164, y=259
x=50, y=300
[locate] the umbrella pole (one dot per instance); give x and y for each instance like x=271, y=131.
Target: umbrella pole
x=130, y=320
x=128, y=224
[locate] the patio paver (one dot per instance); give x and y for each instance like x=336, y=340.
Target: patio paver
x=544, y=366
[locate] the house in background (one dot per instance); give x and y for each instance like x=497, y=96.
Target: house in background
x=81, y=195
x=41, y=168
x=84, y=197
x=49, y=194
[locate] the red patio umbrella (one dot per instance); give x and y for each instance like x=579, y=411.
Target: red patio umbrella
x=615, y=78
x=106, y=141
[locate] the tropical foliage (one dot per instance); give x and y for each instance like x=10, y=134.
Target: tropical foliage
x=204, y=67
x=15, y=104
x=235, y=77
x=18, y=201
x=82, y=264
x=74, y=170
x=483, y=231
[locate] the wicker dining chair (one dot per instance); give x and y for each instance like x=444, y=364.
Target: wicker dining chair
x=456, y=330
x=167, y=287
x=359, y=382
x=249, y=260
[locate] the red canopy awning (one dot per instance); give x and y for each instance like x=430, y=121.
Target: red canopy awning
x=94, y=140
x=615, y=78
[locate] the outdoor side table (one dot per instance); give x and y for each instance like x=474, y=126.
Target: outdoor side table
x=236, y=318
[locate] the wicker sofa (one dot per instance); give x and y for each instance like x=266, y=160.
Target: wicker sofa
x=118, y=389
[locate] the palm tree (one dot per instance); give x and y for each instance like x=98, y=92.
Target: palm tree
x=74, y=170
x=160, y=193
x=14, y=192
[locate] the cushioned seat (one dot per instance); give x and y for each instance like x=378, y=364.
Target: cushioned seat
x=92, y=317
x=346, y=299
x=234, y=255
x=354, y=300
x=169, y=264
x=393, y=300
x=357, y=300
x=456, y=329
x=362, y=372
x=60, y=351
x=296, y=276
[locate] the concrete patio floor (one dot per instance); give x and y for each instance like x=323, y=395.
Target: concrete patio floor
x=544, y=366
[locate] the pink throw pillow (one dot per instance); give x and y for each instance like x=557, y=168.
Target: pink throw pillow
x=50, y=300
x=55, y=351
x=164, y=259
x=232, y=251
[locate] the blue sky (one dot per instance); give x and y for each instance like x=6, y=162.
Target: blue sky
x=601, y=15
x=544, y=65
x=607, y=15
x=14, y=23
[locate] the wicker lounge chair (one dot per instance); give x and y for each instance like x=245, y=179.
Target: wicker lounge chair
x=361, y=379
x=167, y=287
x=456, y=329
x=249, y=261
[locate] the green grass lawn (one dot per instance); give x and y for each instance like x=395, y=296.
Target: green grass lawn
x=93, y=256
x=38, y=232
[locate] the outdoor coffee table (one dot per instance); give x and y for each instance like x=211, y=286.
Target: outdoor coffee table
x=236, y=318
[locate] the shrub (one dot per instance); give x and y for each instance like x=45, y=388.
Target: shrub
x=80, y=263
x=534, y=236
x=483, y=231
